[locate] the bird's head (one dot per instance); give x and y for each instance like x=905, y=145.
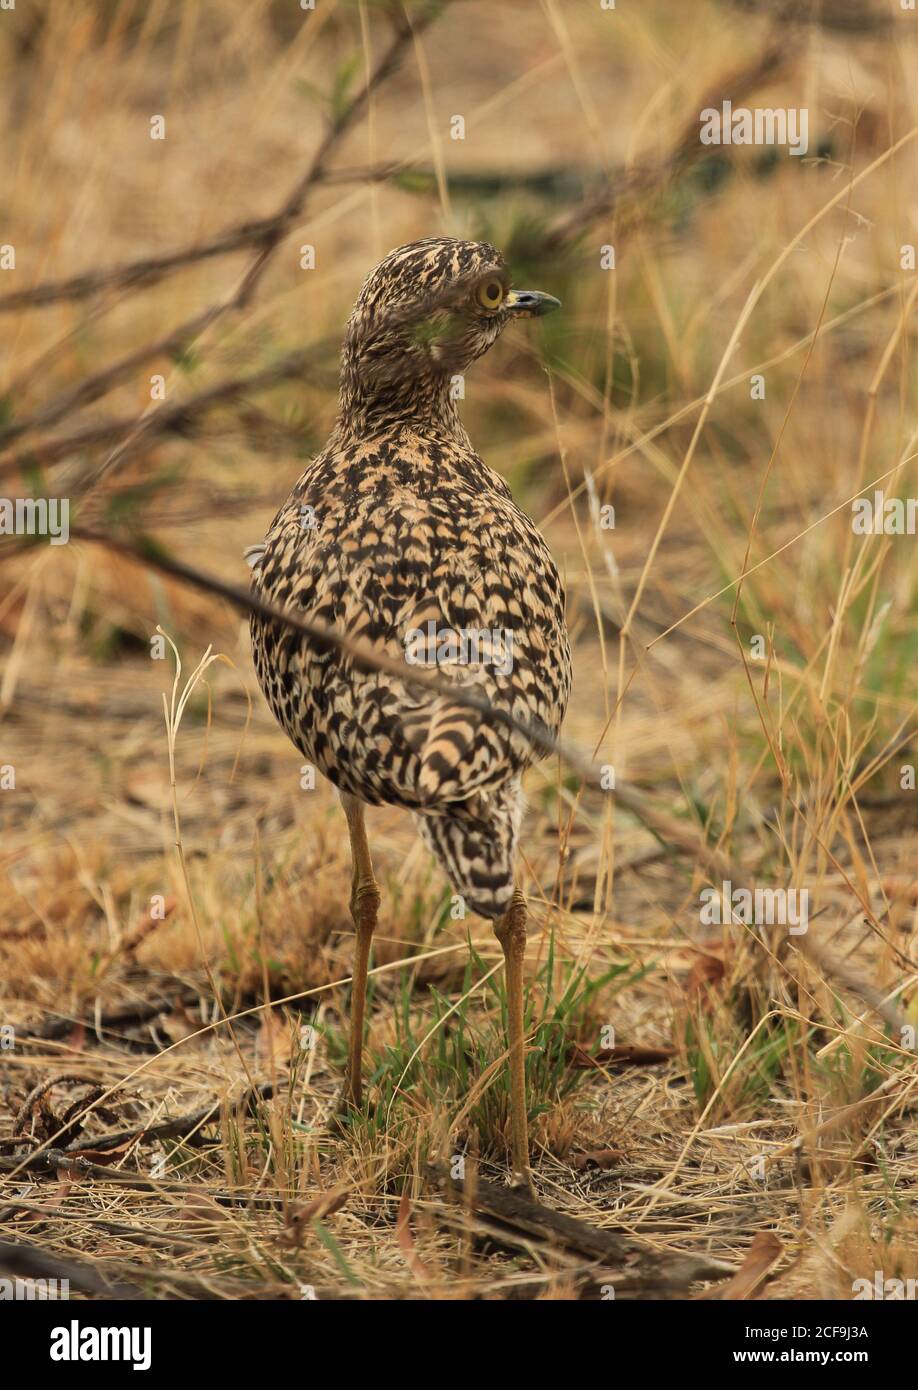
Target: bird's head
x=426, y=312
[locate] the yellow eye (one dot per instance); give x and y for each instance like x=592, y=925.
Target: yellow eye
x=490, y=294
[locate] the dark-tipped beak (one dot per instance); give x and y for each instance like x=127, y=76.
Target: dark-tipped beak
x=530, y=304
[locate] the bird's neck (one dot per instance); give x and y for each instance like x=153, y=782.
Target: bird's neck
x=422, y=402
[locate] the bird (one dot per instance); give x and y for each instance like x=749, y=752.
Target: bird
x=398, y=534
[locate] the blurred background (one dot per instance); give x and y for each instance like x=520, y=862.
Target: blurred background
x=193, y=194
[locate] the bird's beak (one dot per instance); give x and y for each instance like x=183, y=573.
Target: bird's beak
x=530, y=304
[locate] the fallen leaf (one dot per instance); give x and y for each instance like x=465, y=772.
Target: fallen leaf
x=706, y=975
x=199, y=1210
x=326, y=1204
x=597, y=1158
x=764, y=1251
x=105, y=1156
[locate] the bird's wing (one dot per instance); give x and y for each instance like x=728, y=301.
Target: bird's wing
x=386, y=564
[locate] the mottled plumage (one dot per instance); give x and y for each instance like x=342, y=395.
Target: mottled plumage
x=399, y=524
x=399, y=534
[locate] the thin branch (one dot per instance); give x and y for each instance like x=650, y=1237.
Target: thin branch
x=266, y=235
x=168, y=419
x=688, y=150
x=149, y=270
x=519, y=1219
x=140, y=273
x=175, y=1128
x=675, y=834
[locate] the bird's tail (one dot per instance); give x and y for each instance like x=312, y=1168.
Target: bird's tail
x=459, y=750
x=448, y=764
x=475, y=842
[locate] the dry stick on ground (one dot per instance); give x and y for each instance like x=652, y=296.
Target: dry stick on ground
x=519, y=1219
x=23, y=1261
x=52, y=1160
x=176, y=1128
x=75, y=1167
x=140, y=1012
x=37, y=1106
x=124, y=1281
x=23, y=1210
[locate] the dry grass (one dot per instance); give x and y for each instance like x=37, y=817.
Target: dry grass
x=223, y=950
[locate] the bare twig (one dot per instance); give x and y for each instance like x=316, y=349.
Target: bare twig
x=266, y=237
x=30, y=1262
x=178, y=1126
x=149, y=270
x=632, y=1265
x=627, y=187
x=139, y=1012
x=171, y=419
x=123, y=1280
x=137, y=274
x=370, y=657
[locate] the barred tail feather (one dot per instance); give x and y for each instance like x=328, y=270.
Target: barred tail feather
x=475, y=842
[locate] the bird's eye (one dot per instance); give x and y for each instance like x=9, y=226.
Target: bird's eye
x=490, y=294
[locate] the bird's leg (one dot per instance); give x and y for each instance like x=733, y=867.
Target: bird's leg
x=510, y=930
x=364, y=908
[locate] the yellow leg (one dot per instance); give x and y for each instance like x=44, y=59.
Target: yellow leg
x=510, y=930
x=364, y=909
